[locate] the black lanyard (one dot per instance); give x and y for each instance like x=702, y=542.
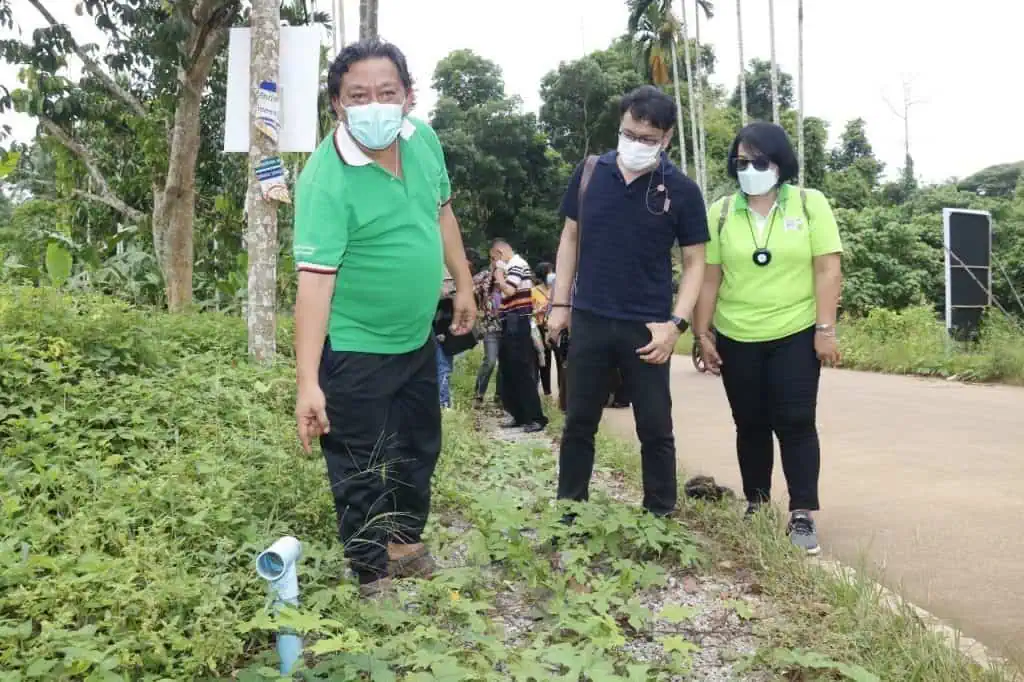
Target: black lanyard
x=762, y=256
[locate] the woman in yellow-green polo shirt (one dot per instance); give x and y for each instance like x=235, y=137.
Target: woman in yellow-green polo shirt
x=771, y=290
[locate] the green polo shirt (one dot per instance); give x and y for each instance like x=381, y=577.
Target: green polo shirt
x=764, y=303
x=380, y=234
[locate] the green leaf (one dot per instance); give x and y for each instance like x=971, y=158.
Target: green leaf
x=8, y=163
x=40, y=667
x=637, y=672
x=676, y=643
x=741, y=607
x=58, y=264
x=677, y=613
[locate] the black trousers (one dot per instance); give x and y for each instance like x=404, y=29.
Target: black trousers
x=772, y=387
x=517, y=367
x=598, y=345
x=545, y=371
x=384, y=442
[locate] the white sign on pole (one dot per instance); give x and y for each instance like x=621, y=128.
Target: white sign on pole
x=298, y=84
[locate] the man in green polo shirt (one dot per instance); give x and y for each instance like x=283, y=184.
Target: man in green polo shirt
x=373, y=230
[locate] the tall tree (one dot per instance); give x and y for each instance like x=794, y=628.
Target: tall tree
x=653, y=27
x=367, y=19
x=261, y=237
x=758, y=79
x=742, y=85
x=468, y=79
x=159, y=53
x=800, y=77
x=708, y=8
x=775, y=64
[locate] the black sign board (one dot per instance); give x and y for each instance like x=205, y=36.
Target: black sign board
x=968, y=242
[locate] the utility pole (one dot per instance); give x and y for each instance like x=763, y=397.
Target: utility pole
x=339, y=27
x=266, y=179
x=903, y=112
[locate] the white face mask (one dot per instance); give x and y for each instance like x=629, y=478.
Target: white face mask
x=755, y=182
x=637, y=156
x=551, y=280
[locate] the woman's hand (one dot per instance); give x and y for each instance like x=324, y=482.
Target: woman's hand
x=827, y=348
x=709, y=353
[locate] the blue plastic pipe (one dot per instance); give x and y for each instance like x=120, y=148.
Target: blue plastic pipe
x=276, y=565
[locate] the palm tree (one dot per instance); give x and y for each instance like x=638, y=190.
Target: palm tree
x=652, y=28
x=367, y=19
x=743, y=64
x=800, y=94
x=775, y=64
x=693, y=109
x=700, y=153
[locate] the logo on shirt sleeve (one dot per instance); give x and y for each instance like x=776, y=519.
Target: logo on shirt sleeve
x=793, y=224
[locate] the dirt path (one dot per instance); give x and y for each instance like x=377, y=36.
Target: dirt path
x=922, y=480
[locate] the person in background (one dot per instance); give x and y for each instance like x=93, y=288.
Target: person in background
x=637, y=205
x=771, y=289
x=541, y=295
x=517, y=358
x=442, y=327
x=374, y=229
x=489, y=326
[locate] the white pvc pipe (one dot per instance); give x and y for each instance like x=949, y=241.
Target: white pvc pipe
x=277, y=565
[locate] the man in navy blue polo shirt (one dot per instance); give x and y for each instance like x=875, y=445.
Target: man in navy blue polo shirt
x=636, y=206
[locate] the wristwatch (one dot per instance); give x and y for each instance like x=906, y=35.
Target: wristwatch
x=681, y=324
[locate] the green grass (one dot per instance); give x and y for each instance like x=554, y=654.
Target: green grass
x=914, y=341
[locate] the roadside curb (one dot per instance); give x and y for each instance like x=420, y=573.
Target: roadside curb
x=967, y=646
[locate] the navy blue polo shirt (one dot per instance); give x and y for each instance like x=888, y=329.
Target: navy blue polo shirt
x=625, y=268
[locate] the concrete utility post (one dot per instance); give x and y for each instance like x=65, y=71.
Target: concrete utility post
x=261, y=235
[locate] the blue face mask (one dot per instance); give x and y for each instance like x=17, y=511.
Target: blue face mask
x=375, y=125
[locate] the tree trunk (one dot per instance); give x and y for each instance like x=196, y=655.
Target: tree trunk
x=261, y=235
x=174, y=201
x=703, y=152
x=743, y=64
x=367, y=19
x=679, y=108
x=339, y=26
x=800, y=75
x=775, y=64
x=689, y=87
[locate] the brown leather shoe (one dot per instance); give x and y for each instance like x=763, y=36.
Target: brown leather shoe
x=419, y=564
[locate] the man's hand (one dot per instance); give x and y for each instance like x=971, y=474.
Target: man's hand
x=311, y=415
x=558, y=321
x=663, y=343
x=464, y=314
x=827, y=349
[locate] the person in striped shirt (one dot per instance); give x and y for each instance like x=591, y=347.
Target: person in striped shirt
x=517, y=359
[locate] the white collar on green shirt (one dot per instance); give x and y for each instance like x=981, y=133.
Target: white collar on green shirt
x=350, y=151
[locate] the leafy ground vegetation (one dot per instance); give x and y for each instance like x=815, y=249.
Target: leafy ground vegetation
x=144, y=463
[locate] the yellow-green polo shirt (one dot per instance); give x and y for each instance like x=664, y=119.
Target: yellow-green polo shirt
x=764, y=303
x=380, y=234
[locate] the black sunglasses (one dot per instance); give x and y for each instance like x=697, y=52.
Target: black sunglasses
x=761, y=163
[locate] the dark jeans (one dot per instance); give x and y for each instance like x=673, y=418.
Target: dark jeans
x=772, y=387
x=483, y=375
x=384, y=442
x=597, y=346
x=545, y=370
x=517, y=367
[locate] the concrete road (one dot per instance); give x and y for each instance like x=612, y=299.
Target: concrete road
x=921, y=479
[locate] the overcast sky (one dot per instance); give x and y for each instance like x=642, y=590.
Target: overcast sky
x=964, y=61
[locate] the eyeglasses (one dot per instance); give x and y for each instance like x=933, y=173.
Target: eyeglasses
x=761, y=163
x=642, y=139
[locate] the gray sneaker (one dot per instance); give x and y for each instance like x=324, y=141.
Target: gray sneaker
x=803, y=533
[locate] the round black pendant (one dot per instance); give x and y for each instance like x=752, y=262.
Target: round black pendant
x=762, y=257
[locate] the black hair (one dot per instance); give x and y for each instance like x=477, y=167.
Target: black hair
x=770, y=141
x=543, y=270
x=650, y=105
x=366, y=49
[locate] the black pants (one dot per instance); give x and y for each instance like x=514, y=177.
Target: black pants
x=772, y=387
x=384, y=442
x=597, y=346
x=545, y=370
x=517, y=367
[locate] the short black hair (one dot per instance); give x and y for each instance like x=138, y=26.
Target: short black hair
x=771, y=141
x=370, y=48
x=650, y=105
